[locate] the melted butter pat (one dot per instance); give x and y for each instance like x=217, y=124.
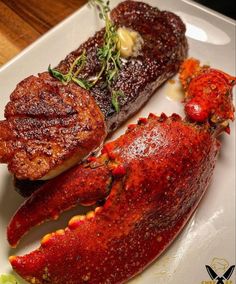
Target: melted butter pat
x=174, y=91
x=129, y=42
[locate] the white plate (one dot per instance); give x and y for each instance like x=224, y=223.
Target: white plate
x=211, y=231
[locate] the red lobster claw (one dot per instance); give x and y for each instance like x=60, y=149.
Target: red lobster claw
x=85, y=184
x=160, y=171
x=208, y=93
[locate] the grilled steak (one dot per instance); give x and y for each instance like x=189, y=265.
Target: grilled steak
x=164, y=47
x=22, y=139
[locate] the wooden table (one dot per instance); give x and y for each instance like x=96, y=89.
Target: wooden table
x=23, y=21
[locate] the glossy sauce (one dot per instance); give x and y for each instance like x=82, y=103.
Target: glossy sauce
x=174, y=91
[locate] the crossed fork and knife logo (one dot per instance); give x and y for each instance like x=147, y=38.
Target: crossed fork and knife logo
x=220, y=279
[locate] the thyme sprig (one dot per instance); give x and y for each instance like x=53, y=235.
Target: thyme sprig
x=103, y=8
x=108, y=55
x=79, y=62
x=114, y=99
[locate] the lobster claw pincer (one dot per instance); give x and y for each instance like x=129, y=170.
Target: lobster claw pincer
x=160, y=170
x=84, y=184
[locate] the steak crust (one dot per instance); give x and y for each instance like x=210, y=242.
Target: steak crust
x=49, y=127
x=164, y=48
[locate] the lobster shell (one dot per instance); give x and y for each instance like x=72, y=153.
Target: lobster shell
x=160, y=170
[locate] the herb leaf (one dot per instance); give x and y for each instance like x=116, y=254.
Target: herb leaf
x=82, y=83
x=7, y=279
x=80, y=61
x=102, y=6
x=58, y=75
x=108, y=54
x=114, y=99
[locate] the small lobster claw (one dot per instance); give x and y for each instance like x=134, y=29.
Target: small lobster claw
x=208, y=94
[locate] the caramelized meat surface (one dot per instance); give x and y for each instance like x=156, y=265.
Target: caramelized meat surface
x=48, y=127
x=164, y=48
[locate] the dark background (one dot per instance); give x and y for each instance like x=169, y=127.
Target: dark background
x=226, y=7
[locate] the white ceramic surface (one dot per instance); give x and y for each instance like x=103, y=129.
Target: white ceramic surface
x=211, y=231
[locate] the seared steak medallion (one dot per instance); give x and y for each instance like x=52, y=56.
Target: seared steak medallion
x=48, y=127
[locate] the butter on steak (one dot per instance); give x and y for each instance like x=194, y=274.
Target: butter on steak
x=164, y=46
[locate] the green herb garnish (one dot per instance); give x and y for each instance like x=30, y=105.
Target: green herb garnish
x=108, y=55
x=114, y=99
x=79, y=62
x=82, y=83
x=7, y=279
x=65, y=79
x=104, y=8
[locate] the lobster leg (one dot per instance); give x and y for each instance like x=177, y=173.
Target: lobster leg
x=84, y=184
x=163, y=167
